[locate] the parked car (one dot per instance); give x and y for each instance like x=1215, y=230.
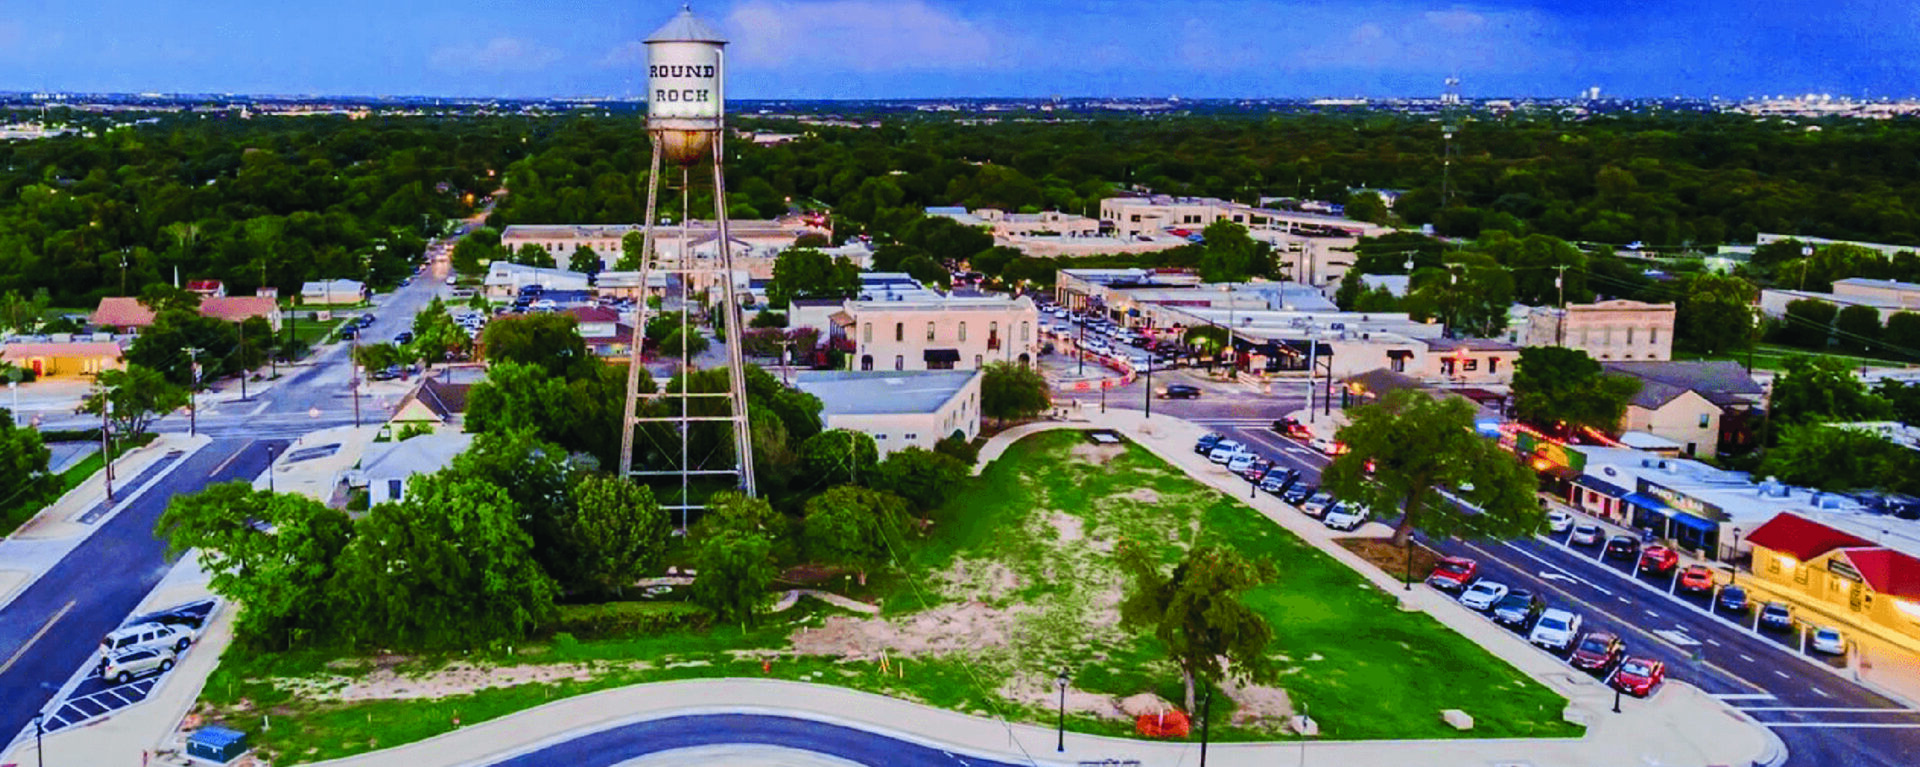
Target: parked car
x=1658, y=560
x=1279, y=481
x=348, y=332
x=1585, y=534
x=191, y=615
x=1346, y=517
x=1558, y=521
x=1622, y=547
x=1241, y=462
x=1696, y=578
x=124, y=666
x=1519, y=609
x=144, y=636
x=1317, y=504
x=1732, y=599
x=1483, y=594
x=1300, y=493
x=1776, y=615
x=1206, y=443
x=1179, y=391
x=387, y=373
x=1598, y=651
x=1258, y=470
x=1827, y=640
x=1224, y=451
x=1638, y=676
x=1327, y=446
x=1453, y=574
x=1555, y=630
x=364, y=320
x=403, y=338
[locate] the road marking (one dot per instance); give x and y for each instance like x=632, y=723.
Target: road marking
x=1838, y=725
x=1746, y=657
x=1714, y=643
x=1653, y=615
x=1624, y=599
x=1835, y=710
x=1676, y=637
x=1547, y=576
x=1781, y=674
x=1557, y=568
x=1820, y=692
x=44, y=628
x=230, y=459
x=1744, y=696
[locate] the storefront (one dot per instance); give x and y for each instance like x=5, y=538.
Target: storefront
x=1557, y=466
x=1687, y=521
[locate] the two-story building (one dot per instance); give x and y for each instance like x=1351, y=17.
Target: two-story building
x=1703, y=406
x=1828, y=564
x=941, y=332
x=898, y=409
x=1606, y=330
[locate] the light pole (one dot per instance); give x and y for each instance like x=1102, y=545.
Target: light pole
x=193, y=406
x=269, y=467
x=1206, y=713
x=39, y=746
x=1733, y=563
x=1616, y=700
x=1061, y=681
x=106, y=447
x=1146, y=397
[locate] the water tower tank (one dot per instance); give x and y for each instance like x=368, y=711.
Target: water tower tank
x=684, y=93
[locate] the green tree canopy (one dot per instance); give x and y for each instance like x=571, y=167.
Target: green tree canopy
x=1808, y=323
x=1012, y=391
x=1199, y=611
x=136, y=395
x=923, y=477
x=854, y=527
x=585, y=261
x=1470, y=293
x=1557, y=389
x=733, y=570
x=615, y=532
x=1838, y=458
x=809, y=273
x=1419, y=446
x=273, y=554
x=1902, y=334
x=839, y=457
x=24, y=481
x=1857, y=327
x=1715, y=314
x=436, y=335
x=537, y=480
x=1231, y=254
x=550, y=342
x=533, y=254
x=1813, y=389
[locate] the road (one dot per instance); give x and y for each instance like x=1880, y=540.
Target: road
x=1825, y=718
x=54, y=627
x=618, y=745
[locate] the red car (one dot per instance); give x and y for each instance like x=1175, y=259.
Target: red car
x=1453, y=574
x=1658, y=560
x=1598, y=651
x=1638, y=676
x=1696, y=578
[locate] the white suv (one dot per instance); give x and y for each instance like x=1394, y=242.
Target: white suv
x=124, y=667
x=1555, y=630
x=142, y=636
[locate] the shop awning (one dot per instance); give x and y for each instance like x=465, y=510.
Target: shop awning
x=943, y=355
x=1699, y=525
x=1601, y=486
x=1647, y=502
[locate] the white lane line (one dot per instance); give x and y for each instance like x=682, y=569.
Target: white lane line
x=1781, y=674
x=44, y=628
x=1624, y=599
x=1713, y=642
x=1746, y=657
x=1828, y=710
x=1653, y=615
x=1840, y=725
x=1820, y=692
x=1745, y=696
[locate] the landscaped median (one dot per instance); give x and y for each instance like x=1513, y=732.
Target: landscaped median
x=1015, y=581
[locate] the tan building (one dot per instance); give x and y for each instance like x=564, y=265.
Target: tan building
x=1140, y=214
x=1836, y=573
x=63, y=359
x=942, y=332
x=753, y=240
x=1700, y=405
x=1607, y=330
x=1048, y=223
x=1682, y=416
x=914, y=409
x=1882, y=292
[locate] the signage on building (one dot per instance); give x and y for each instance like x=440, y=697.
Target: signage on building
x=1844, y=570
x=1550, y=451
x=1682, y=501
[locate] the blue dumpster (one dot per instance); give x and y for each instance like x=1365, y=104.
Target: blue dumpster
x=216, y=744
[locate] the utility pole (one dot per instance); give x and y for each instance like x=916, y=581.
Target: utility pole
x=193, y=393
x=106, y=447
x=786, y=360
x=353, y=356
x=1560, y=327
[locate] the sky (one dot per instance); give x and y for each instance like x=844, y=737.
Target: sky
x=860, y=49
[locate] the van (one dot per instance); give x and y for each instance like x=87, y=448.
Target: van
x=144, y=636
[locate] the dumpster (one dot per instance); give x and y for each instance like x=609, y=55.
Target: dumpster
x=216, y=744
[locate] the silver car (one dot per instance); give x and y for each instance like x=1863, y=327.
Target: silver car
x=1585, y=534
x=122, y=668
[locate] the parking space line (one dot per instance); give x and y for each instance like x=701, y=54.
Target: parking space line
x=1714, y=643
x=1837, y=725
x=1652, y=614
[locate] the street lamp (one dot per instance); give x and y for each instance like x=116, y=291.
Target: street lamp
x=1146, y=397
x=1061, y=681
x=270, y=467
x=39, y=746
x=1733, y=563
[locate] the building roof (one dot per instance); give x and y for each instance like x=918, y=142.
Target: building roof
x=847, y=392
x=586, y=314
x=122, y=311
x=686, y=27
x=1883, y=284
x=199, y=286
x=444, y=399
x=1802, y=538
x=1654, y=395
x=1887, y=571
x=1640, y=440
x=1468, y=344
x=418, y=455
x=1722, y=382
x=321, y=286
x=1379, y=381
x=237, y=308
x=25, y=349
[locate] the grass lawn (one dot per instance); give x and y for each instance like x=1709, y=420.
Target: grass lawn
x=1015, y=581
x=313, y=331
x=13, y=518
x=1774, y=357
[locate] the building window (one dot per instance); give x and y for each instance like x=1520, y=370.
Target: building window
x=866, y=333
x=1493, y=365
x=976, y=362
x=1653, y=335
x=993, y=336
x=1472, y=364
x=1026, y=330
x=899, y=362
x=866, y=362
x=899, y=331
x=929, y=331
x=1629, y=336
x=1446, y=366
x=963, y=331
x=911, y=437
x=1704, y=419
x=879, y=437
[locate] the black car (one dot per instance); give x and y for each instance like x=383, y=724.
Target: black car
x=388, y=373
x=1623, y=547
x=1776, y=615
x=1519, y=609
x=348, y=332
x=1291, y=427
x=1732, y=599
x=1206, y=443
x=191, y=615
x=364, y=320
x=1279, y=480
x=404, y=337
x=1300, y=494
x=1179, y=391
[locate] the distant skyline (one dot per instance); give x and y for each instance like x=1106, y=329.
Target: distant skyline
x=865, y=49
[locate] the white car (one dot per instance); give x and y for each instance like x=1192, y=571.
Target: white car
x=1483, y=595
x=1585, y=534
x=1558, y=521
x=1319, y=503
x=1827, y=640
x=1555, y=630
x=1347, y=517
x=122, y=668
x=1241, y=462
x=146, y=635
x=1225, y=450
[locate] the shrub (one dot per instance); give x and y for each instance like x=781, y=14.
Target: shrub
x=610, y=619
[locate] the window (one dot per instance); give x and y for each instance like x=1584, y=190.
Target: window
x=866, y=333
x=899, y=362
x=976, y=361
x=993, y=336
x=1653, y=335
x=393, y=489
x=1026, y=330
x=879, y=437
x=866, y=362
x=1493, y=365
x=929, y=331
x=1472, y=364
x=1704, y=419
x=911, y=437
x=900, y=331
x=1629, y=336
x=963, y=331
x=1446, y=366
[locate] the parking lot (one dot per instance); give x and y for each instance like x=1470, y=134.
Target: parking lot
x=95, y=696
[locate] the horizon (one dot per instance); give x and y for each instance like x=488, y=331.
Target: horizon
x=877, y=50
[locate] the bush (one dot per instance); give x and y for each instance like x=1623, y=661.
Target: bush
x=958, y=446
x=610, y=619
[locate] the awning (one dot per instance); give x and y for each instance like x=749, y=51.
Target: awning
x=1699, y=525
x=943, y=355
x=1647, y=502
x=1601, y=486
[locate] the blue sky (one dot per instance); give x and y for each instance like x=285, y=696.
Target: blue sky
x=934, y=48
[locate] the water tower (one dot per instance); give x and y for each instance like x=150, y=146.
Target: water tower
x=686, y=121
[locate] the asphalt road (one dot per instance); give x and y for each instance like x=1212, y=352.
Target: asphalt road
x=616, y=745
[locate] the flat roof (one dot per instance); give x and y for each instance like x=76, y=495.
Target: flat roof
x=849, y=392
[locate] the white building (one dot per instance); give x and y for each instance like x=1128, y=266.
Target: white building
x=756, y=243
x=1607, y=330
x=505, y=279
x=941, y=332
x=1131, y=215
x=340, y=291
x=899, y=410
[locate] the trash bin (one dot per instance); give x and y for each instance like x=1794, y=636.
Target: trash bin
x=216, y=744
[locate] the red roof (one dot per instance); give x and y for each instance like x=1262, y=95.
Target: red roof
x=203, y=286
x=594, y=314
x=122, y=312
x=237, y=308
x=1802, y=538
x=1887, y=571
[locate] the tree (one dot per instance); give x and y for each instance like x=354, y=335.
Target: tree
x=1858, y=327
x=1838, y=458
x=809, y=273
x=164, y=346
x=854, y=527
x=615, y=532
x=729, y=511
x=1470, y=293
x=959, y=448
x=550, y=342
x=1902, y=398
x=533, y=254
x=271, y=553
x=1809, y=323
x=537, y=480
x=1012, y=391
x=1199, y=611
x=378, y=356
x=1231, y=254
x=585, y=261
x=734, y=569
x=840, y=457
x=1544, y=267
x=436, y=335
x=1820, y=388
x=923, y=477
x=256, y=343
x=471, y=255
x=1350, y=290
x=1902, y=334
x=448, y=566
x=632, y=249
x=160, y=298
x=1418, y=446
x=1559, y=389
x=1366, y=205
x=24, y=480
x=136, y=395
x=1715, y=314
x=22, y=315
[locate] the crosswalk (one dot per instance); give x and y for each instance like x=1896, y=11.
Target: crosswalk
x=1771, y=712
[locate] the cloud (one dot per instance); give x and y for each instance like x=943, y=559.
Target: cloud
x=499, y=55
x=1455, y=38
x=862, y=36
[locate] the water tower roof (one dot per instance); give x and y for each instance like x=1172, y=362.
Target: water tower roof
x=686, y=28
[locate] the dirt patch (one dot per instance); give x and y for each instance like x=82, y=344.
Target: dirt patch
x=980, y=580
x=384, y=683
x=1097, y=454
x=967, y=626
x=1143, y=495
x=1041, y=692
x=1066, y=527
x=1391, y=559
x=1256, y=703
